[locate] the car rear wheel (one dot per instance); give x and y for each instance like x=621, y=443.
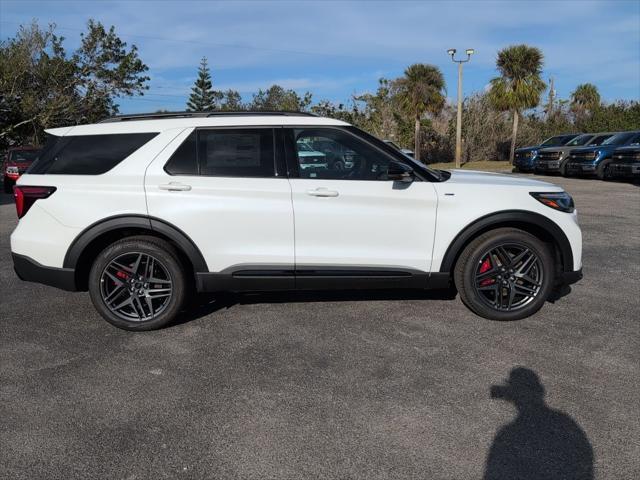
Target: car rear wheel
x=138, y=283
x=505, y=274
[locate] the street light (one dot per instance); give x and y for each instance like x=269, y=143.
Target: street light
x=452, y=52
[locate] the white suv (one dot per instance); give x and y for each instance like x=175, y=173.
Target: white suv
x=143, y=210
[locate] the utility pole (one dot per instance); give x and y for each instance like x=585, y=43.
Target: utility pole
x=452, y=52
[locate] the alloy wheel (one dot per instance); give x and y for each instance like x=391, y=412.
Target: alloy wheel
x=508, y=276
x=136, y=286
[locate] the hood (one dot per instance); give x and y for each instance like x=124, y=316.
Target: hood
x=527, y=149
x=472, y=177
x=560, y=149
x=628, y=148
x=594, y=148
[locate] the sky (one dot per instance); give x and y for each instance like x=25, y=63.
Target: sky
x=335, y=49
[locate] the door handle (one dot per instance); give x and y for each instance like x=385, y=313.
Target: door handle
x=322, y=192
x=175, y=187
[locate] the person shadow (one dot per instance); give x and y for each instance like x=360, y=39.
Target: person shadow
x=541, y=442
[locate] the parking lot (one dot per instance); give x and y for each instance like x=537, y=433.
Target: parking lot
x=346, y=385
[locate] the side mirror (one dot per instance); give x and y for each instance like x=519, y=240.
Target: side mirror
x=399, y=172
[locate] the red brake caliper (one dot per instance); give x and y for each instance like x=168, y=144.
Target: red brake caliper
x=485, y=267
x=122, y=275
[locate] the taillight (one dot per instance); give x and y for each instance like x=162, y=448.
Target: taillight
x=12, y=172
x=26, y=196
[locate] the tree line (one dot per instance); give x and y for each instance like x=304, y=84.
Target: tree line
x=43, y=86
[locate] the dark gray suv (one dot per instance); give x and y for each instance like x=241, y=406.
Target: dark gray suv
x=554, y=159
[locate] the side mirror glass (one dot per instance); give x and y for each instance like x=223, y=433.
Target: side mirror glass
x=399, y=172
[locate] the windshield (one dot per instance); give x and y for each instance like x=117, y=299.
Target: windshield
x=23, y=155
x=304, y=147
x=556, y=141
x=579, y=140
x=618, y=139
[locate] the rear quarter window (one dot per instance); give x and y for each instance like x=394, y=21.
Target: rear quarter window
x=88, y=154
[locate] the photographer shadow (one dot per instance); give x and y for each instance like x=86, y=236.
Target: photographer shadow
x=541, y=442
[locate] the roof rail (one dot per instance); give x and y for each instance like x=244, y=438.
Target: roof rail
x=167, y=115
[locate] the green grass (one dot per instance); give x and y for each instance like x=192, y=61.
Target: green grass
x=494, y=166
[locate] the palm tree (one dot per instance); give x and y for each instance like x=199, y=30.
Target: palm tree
x=519, y=85
x=420, y=91
x=585, y=98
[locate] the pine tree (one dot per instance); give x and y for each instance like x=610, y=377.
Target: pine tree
x=203, y=97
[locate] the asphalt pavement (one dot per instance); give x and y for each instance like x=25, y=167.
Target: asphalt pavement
x=370, y=385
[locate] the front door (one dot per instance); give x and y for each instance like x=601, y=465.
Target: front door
x=350, y=220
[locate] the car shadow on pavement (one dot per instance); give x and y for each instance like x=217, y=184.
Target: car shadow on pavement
x=541, y=442
x=205, y=304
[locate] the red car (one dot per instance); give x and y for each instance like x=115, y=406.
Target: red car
x=17, y=161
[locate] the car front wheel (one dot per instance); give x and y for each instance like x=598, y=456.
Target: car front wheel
x=138, y=283
x=505, y=274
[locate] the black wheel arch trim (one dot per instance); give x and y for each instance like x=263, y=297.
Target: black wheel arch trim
x=506, y=218
x=118, y=222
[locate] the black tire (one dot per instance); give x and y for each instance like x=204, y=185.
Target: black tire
x=474, y=256
x=563, y=169
x=603, y=172
x=165, y=261
x=8, y=186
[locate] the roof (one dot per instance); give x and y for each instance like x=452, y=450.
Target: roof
x=180, y=120
x=189, y=114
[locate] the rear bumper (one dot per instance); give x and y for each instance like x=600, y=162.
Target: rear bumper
x=29, y=270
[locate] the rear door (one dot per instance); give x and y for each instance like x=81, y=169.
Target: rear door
x=224, y=189
x=350, y=220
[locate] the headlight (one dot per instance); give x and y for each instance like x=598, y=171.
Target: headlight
x=13, y=171
x=533, y=153
x=557, y=200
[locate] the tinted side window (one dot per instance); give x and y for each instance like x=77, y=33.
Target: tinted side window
x=236, y=153
x=598, y=140
x=184, y=160
x=89, y=154
x=327, y=153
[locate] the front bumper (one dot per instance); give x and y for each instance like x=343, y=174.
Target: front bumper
x=526, y=164
x=29, y=270
x=548, y=165
x=578, y=168
x=625, y=169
